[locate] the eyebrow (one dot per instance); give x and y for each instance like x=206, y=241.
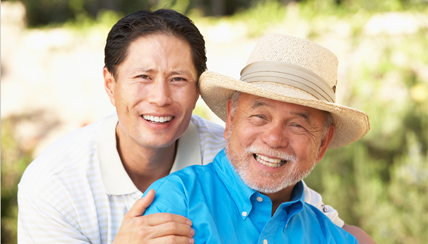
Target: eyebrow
x=138, y=70
x=260, y=104
x=303, y=115
x=182, y=72
x=150, y=70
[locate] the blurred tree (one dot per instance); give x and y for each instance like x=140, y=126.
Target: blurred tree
x=380, y=182
x=217, y=7
x=43, y=12
x=14, y=160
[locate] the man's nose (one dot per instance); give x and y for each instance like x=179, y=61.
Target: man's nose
x=160, y=93
x=275, y=136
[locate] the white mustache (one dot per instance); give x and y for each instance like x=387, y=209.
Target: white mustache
x=272, y=153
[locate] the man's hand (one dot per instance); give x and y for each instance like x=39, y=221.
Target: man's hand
x=361, y=235
x=153, y=228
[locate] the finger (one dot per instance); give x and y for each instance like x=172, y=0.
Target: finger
x=173, y=239
x=172, y=229
x=147, y=200
x=161, y=218
x=141, y=205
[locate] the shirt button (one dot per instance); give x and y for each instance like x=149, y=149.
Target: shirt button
x=259, y=199
x=244, y=213
x=265, y=241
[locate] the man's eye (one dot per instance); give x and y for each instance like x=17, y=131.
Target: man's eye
x=297, y=128
x=144, y=76
x=258, y=116
x=178, y=79
x=258, y=119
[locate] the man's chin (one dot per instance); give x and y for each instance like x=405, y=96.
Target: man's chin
x=158, y=144
x=270, y=188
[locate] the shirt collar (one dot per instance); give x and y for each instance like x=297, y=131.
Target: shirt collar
x=115, y=178
x=241, y=193
x=295, y=205
x=297, y=199
x=298, y=193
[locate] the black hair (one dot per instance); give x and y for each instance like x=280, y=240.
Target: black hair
x=144, y=23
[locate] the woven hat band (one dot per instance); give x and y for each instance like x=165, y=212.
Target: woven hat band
x=291, y=75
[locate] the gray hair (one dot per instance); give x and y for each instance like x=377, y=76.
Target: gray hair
x=235, y=98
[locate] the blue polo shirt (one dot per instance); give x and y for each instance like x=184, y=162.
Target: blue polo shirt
x=225, y=210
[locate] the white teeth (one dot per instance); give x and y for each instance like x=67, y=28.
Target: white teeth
x=270, y=162
x=157, y=119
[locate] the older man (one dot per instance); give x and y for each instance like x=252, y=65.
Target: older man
x=280, y=121
x=85, y=188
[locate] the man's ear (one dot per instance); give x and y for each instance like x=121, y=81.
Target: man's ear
x=109, y=85
x=325, y=142
x=229, y=107
x=197, y=87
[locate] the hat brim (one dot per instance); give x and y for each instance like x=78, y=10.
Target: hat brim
x=350, y=124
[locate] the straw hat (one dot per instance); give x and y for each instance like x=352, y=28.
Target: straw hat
x=291, y=70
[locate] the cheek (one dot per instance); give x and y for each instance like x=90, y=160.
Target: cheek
x=308, y=150
x=125, y=93
x=246, y=136
x=132, y=96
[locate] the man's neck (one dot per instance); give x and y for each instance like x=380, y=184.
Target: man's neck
x=144, y=165
x=279, y=197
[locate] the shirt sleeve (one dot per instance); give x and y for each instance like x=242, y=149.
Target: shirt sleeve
x=39, y=221
x=314, y=198
x=170, y=197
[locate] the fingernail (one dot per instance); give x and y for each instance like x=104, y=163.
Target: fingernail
x=188, y=222
x=191, y=241
x=192, y=232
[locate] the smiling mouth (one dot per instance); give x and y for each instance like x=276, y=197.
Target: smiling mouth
x=269, y=162
x=156, y=119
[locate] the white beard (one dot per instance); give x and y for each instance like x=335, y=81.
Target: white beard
x=238, y=160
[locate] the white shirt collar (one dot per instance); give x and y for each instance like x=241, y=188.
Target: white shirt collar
x=115, y=178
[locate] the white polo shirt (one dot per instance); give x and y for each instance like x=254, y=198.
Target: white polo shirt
x=78, y=191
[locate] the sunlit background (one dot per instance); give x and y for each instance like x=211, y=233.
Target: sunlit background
x=51, y=84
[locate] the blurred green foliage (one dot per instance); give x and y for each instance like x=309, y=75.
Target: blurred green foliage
x=379, y=183
x=14, y=160
x=44, y=12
